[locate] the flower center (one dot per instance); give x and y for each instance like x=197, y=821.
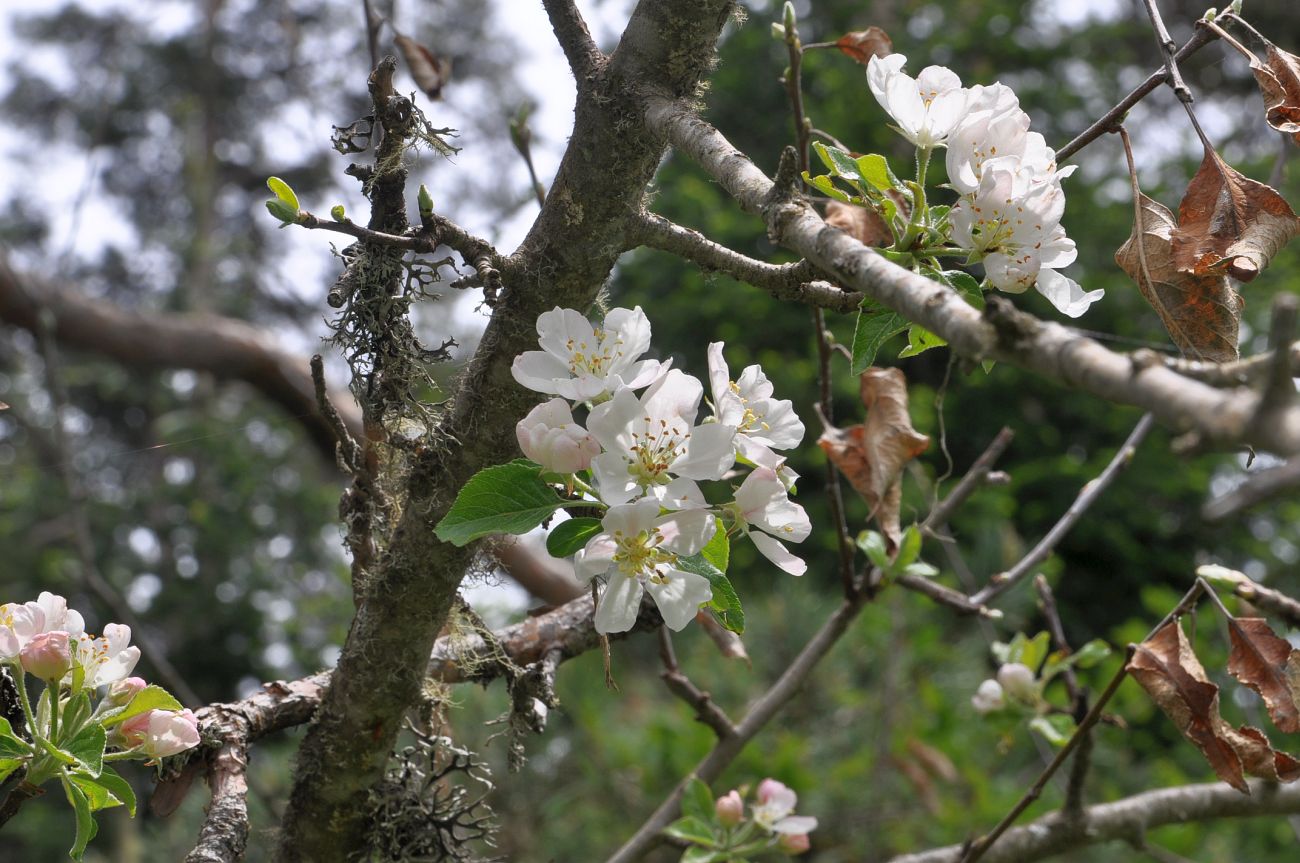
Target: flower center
x=640, y=555
x=596, y=361
x=750, y=420
x=654, y=450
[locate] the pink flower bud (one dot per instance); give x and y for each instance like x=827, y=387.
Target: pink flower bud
x=794, y=843
x=160, y=733
x=121, y=693
x=550, y=437
x=730, y=809
x=770, y=788
x=48, y=655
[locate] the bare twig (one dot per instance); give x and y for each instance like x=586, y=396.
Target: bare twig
x=1073, y=804
x=1092, y=490
x=1266, y=599
x=706, y=710
x=585, y=59
x=1259, y=487
x=1238, y=373
x=1169, y=47
x=967, y=485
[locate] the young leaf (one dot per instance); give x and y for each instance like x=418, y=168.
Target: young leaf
x=692, y=829
x=570, y=536
x=1034, y=650
x=97, y=795
x=827, y=187
x=150, y=698
x=874, y=169
x=873, y=329
x=1268, y=665
x=284, y=193
x=337, y=213
x=698, y=800
x=909, y=549
x=1056, y=728
x=873, y=544
x=282, y=211
x=862, y=45
x=840, y=163
x=88, y=748
x=86, y=827
x=920, y=340
x=1202, y=313
x=122, y=792
x=725, y=604
x=1090, y=654
x=10, y=743
x=9, y=765
x=718, y=550
x=921, y=569
x=508, y=498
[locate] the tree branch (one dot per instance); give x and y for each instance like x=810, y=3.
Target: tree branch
x=575, y=40
x=1259, y=487
x=225, y=348
x=1125, y=819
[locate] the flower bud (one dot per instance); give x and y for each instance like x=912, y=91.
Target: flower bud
x=550, y=437
x=794, y=843
x=121, y=692
x=159, y=733
x=988, y=697
x=787, y=16
x=48, y=655
x=1019, y=682
x=730, y=809
x=770, y=788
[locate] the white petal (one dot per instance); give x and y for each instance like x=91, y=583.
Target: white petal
x=778, y=553
x=632, y=518
x=610, y=422
x=631, y=329
x=676, y=394
x=538, y=371
x=784, y=428
x=880, y=70
x=753, y=384
x=709, y=453
x=585, y=386
x=644, y=373
x=562, y=331
x=596, y=558
x=619, y=603
x=719, y=374
x=1065, y=293
x=9, y=645
x=680, y=596
x=682, y=493
x=795, y=825
x=613, y=480
x=686, y=532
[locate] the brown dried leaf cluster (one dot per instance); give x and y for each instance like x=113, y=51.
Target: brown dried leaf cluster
x=1279, y=82
x=862, y=45
x=1201, y=313
x=431, y=72
x=865, y=226
x=1169, y=671
x=872, y=455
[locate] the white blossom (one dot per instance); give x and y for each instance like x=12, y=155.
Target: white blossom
x=20, y=623
x=763, y=424
x=638, y=551
x=108, y=658
x=926, y=107
x=773, y=812
x=581, y=362
x=762, y=502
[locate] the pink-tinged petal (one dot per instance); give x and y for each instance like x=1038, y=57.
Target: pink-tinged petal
x=681, y=493
x=58, y=615
x=1065, y=293
x=778, y=554
x=9, y=645
x=563, y=331
x=719, y=373
x=760, y=491
x=1009, y=275
x=679, y=596
x=709, y=453
x=596, y=558
x=795, y=824
x=538, y=371
x=630, y=329
x=686, y=532
x=611, y=422
x=676, y=394
x=619, y=603
x=615, y=484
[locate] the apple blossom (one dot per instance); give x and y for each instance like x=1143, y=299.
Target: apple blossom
x=160, y=733
x=121, y=692
x=988, y=697
x=550, y=437
x=763, y=424
x=108, y=658
x=638, y=551
x=776, y=802
x=47, y=656
x=762, y=502
x=20, y=623
x=652, y=447
x=582, y=362
x=927, y=107
x=730, y=809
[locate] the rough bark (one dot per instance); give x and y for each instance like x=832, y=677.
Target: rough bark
x=667, y=49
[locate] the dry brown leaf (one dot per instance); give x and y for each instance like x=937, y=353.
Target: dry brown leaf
x=1228, y=219
x=1171, y=674
x=1201, y=313
x=431, y=72
x=872, y=455
x=1279, y=83
x=862, y=45
x=1268, y=665
x=865, y=226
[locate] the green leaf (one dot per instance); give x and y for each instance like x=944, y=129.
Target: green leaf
x=725, y=604
x=1056, y=728
x=9, y=765
x=697, y=854
x=337, y=213
x=1035, y=650
x=508, y=498
x=114, y=784
x=692, y=829
x=284, y=193
x=11, y=743
x=874, y=328
x=718, y=550
x=698, y=800
x=826, y=186
x=909, y=549
x=874, y=169
x=570, y=536
x=874, y=545
x=920, y=340
x=1090, y=654
x=282, y=211
x=966, y=285
x=88, y=748
x=75, y=713
x=58, y=754
x=150, y=698
x=840, y=163
x=921, y=569
x=86, y=827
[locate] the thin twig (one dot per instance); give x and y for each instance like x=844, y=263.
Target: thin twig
x=967, y=485
x=706, y=710
x=1169, y=47
x=1258, y=488
x=1073, y=804
x=1092, y=490
x=1266, y=599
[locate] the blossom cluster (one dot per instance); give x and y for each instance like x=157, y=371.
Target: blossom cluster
x=48, y=640
x=773, y=813
x=1008, y=215
x=642, y=457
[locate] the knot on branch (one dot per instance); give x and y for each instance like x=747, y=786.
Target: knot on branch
x=1014, y=328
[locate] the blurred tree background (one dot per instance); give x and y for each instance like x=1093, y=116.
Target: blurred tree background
x=214, y=517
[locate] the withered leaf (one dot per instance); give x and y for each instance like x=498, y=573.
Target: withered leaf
x=862, y=45
x=1202, y=313
x=431, y=72
x=1268, y=665
x=1279, y=82
x=1228, y=220
x=865, y=226
x=872, y=455
x=1171, y=674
